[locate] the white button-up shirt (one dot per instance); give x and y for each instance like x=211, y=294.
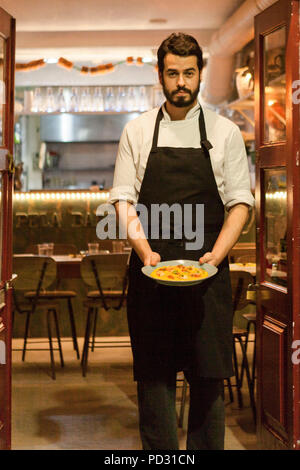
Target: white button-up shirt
x=228, y=155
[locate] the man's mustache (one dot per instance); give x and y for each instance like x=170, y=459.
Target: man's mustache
x=181, y=89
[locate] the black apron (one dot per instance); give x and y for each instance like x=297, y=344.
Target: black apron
x=181, y=328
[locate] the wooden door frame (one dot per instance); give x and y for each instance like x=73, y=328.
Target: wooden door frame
x=7, y=28
x=270, y=155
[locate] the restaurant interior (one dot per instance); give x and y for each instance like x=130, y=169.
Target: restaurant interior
x=82, y=71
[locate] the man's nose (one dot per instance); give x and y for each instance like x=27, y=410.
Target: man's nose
x=180, y=81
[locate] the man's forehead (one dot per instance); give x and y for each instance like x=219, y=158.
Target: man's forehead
x=173, y=61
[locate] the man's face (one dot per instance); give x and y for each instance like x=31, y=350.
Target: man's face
x=180, y=80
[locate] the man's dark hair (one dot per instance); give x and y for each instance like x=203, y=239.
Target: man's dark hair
x=179, y=44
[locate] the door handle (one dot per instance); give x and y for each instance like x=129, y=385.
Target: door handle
x=9, y=283
x=251, y=292
x=11, y=163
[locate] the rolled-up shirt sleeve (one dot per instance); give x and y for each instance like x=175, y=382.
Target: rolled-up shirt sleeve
x=237, y=187
x=125, y=173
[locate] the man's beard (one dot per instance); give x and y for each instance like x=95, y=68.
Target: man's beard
x=180, y=101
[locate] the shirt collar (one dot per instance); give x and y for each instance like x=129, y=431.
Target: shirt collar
x=190, y=115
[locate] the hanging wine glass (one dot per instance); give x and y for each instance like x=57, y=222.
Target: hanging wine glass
x=50, y=101
x=61, y=102
x=131, y=99
x=109, y=99
x=143, y=100
x=98, y=101
x=37, y=101
x=85, y=100
x=121, y=99
x=74, y=100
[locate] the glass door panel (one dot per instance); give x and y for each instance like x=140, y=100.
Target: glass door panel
x=275, y=226
x=2, y=89
x=275, y=86
x=1, y=225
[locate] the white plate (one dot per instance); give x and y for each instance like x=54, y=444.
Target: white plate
x=211, y=270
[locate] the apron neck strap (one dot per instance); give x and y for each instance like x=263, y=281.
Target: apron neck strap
x=160, y=115
x=205, y=144
x=203, y=138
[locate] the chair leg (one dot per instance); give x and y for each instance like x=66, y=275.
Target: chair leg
x=94, y=329
x=26, y=335
x=58, y=338
x=246, y=348
x=85, y=351
x=237, y=377
x=73, y=327
x=50, y=345
x=230, y=389
x=250, y=385
x=183, y=401
x=254, y=358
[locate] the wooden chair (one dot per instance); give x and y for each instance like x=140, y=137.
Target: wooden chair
x=34, y=274
x=181, y=382
x=240, y=280
x=59, y=294
x=246, y=258
x=107, y=276
x=59, y=249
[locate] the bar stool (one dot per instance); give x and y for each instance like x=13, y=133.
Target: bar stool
x=59, y=294
x=33, y=275
x=107, y=275
x=240, y=280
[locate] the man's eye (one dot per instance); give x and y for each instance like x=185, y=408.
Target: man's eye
x=172, y=74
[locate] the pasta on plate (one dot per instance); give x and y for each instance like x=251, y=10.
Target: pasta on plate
x=179, y=273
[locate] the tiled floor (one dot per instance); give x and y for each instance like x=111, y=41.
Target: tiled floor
x=95, y=412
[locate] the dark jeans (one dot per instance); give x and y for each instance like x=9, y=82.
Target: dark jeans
x=158, y=419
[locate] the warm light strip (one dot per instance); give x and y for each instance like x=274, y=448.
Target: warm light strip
x=74, y=196
x=276, y=195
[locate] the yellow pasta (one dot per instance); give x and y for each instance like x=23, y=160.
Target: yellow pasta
x=179, y=273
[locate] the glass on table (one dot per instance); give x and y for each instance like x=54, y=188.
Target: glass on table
x=42, y=249
x=117, y=246
x=50, y=249
x=45, y=249
x=93, y=248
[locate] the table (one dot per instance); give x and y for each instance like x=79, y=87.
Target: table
x=68, y=267
x=249, y=267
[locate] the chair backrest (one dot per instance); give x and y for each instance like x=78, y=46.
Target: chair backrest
x=106, y=272
x=33, y=271
x=240, y=281
x=111, y=270
x=246, y=258
x=59, y=249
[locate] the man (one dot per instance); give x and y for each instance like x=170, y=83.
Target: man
x=185, y=155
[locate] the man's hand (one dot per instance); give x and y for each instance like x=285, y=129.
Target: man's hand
x=209, y=258
x=151, y=259
x=228, y=236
